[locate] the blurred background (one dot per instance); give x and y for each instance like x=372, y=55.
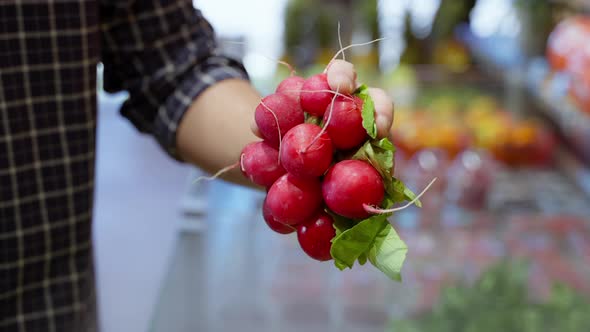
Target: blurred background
x=491, y=96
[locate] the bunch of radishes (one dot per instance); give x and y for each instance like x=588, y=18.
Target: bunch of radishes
x=327, y=175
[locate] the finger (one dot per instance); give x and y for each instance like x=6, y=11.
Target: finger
x=341, y=74
x=254, y=128
x=383, y=111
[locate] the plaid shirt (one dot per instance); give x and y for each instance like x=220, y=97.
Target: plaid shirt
x=162, y=52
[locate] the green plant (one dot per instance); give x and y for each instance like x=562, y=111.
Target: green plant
x=500, y=301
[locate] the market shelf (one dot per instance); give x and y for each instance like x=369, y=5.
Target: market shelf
x=530, y=82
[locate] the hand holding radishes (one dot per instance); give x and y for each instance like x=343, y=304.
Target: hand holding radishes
x=327, y=164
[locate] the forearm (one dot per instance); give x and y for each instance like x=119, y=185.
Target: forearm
x=216, y=127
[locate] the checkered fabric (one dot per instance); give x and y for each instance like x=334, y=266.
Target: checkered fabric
x=162, y=52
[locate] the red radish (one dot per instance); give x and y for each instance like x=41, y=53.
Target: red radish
x=293, y=200
x=315, y=236
x=345, y=125
x=273, y=223
x=291, y=86
x=259, y=162
x=349, y=185
x=315, y=96
x=273, y=109
x=306, y=153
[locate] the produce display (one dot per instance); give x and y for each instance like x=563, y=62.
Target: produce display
x=327, y=174
x=452, y=126
x=502, y=300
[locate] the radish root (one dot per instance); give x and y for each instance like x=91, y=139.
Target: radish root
x=242, y=162
x=278, y=127
x=323, y=90
x=340, y=41
x=351, y=46
x=375, y=210
x=325, y=124
x=281, y=62
x=284, y=63
x=218, y=174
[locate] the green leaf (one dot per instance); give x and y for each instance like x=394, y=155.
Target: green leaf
x=398, y=192
x=410, y=196
x=384, y=154
x=341, y=266
x=388, y=201
x=365, y=152
x=362, y=259
x=380, y=154
x=385, y=144
x=388, y=252
x=368, y=111
x=340, y=224
x=391, y=194
x=356, y=241
x=404, y=192
x=313, y=119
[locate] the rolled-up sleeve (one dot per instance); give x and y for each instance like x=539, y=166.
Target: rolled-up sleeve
x=164, y=54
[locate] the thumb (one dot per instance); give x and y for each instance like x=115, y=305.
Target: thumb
x=341, y=75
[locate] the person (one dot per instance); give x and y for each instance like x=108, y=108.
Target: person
x=194, y=100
